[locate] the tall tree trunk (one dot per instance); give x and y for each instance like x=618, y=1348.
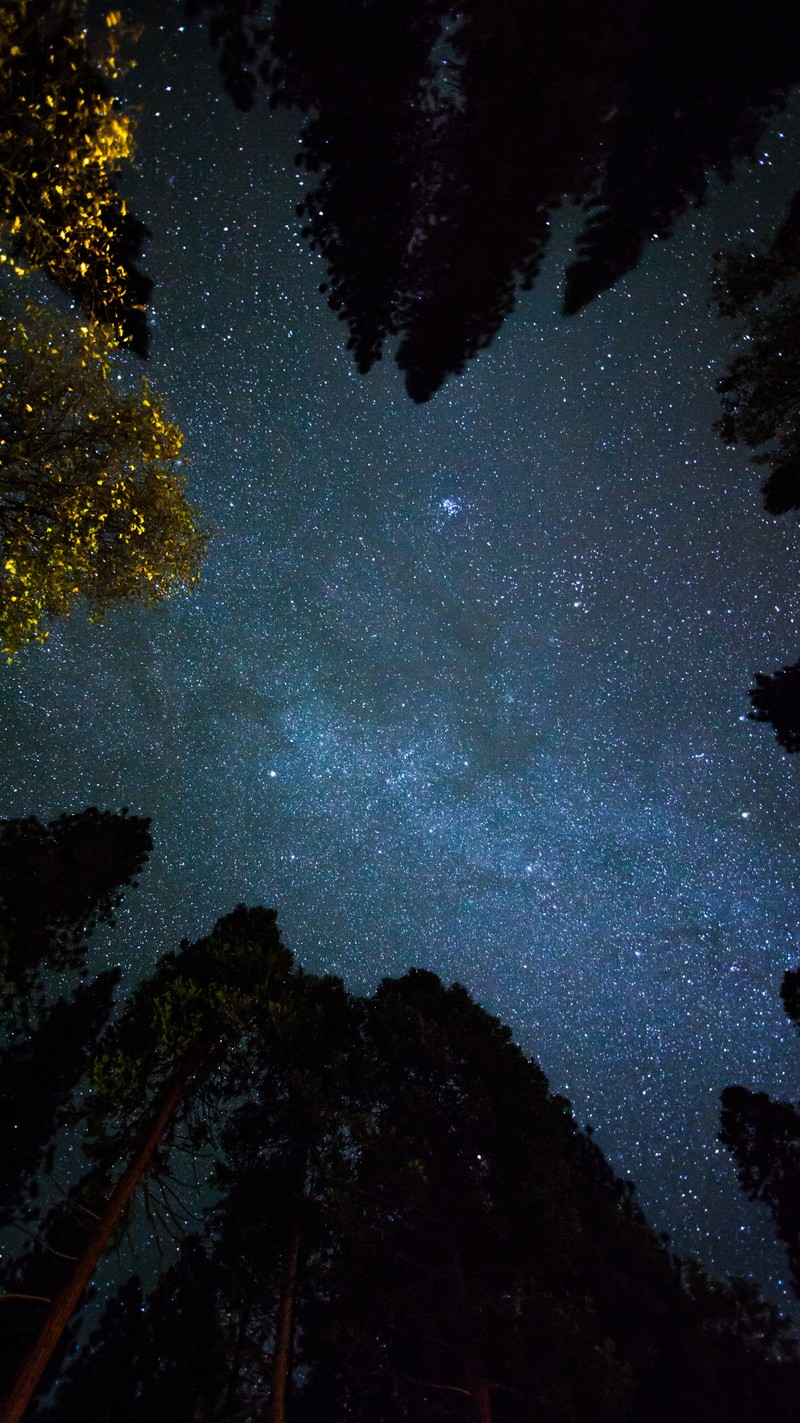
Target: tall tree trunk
x=238, y=1351
x=69, y=1295
x=475, y=1380
x=284, y=1325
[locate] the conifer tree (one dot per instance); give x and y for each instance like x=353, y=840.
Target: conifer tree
x=38, y=1075
x=763, y=1136
x=410, y=1229
x=440, y=139
x=158, y=1064
x=58, y=881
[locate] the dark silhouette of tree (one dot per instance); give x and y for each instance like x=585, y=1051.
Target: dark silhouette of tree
x=452, y=1245
x=495, y=1268
x=410, y=1228
x=443, y=137
x=776, y=699
x=30, y=1280
x=58, y=881
x=764, y=1137
x=282, y=1174
x=161, y=1356
x=761, y=407
x=760, y=399
x=38, y=1075
x=154, y=1067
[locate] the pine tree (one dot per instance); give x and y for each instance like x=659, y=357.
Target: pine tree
x=158, y=1063
x=440, y=139
x=764, y=1137
x=58, y=881
x=38, y=1075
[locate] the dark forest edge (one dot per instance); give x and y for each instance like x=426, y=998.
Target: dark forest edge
x=392, y=1218
x=440, y=139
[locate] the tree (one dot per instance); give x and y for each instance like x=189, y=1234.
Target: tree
x=285, y=1164
x=488, y=1265
x=38, y=1075
x=760, y=289
x=443, y=137
x=31, y=1279
x=92, y=500
x=159, y=1061
x=58, y=881
x=456, y=1290
x=777, y=699
x=411, y=1229
x=761, y=390
x=62, y=141
x=764, y=1137
x=161, y=1356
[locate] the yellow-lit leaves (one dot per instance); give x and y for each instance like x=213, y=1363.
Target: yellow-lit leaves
x=62, y=141
x=92, y=504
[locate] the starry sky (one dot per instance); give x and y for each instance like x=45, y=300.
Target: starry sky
x=465, y=684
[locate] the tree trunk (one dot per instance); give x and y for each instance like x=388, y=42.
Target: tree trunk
x=69, y=1295
x=236, y=1362
x=476, y=1383
x=282, y=1357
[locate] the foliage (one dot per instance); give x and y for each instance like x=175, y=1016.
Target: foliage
x=58, y=881
x=155, y=1358
x=777, y=699
x=92, y=501
x=764, y=1137
x=169, y=1052
x=38, y=1075
x=761, y=390
x=62, y=142
x=206, y=999
x=410, y=1227
x=440, y=138
x=407, y=1225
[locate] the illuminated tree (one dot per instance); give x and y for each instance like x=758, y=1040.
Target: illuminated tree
x=62, y=140
x=92, y=500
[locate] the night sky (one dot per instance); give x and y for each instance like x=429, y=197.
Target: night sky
x=465, y=684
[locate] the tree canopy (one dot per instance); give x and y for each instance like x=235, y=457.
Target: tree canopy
x=399, y=1221
x=764, y=1138
x=58, y=881
x=776, y=699
x=441, y=138
x=63, y=140
x=93, y=508
x=761, y=391
x=407, y=1225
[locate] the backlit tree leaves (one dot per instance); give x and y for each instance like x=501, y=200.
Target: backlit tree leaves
x=63, y=139
x=93, y=506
